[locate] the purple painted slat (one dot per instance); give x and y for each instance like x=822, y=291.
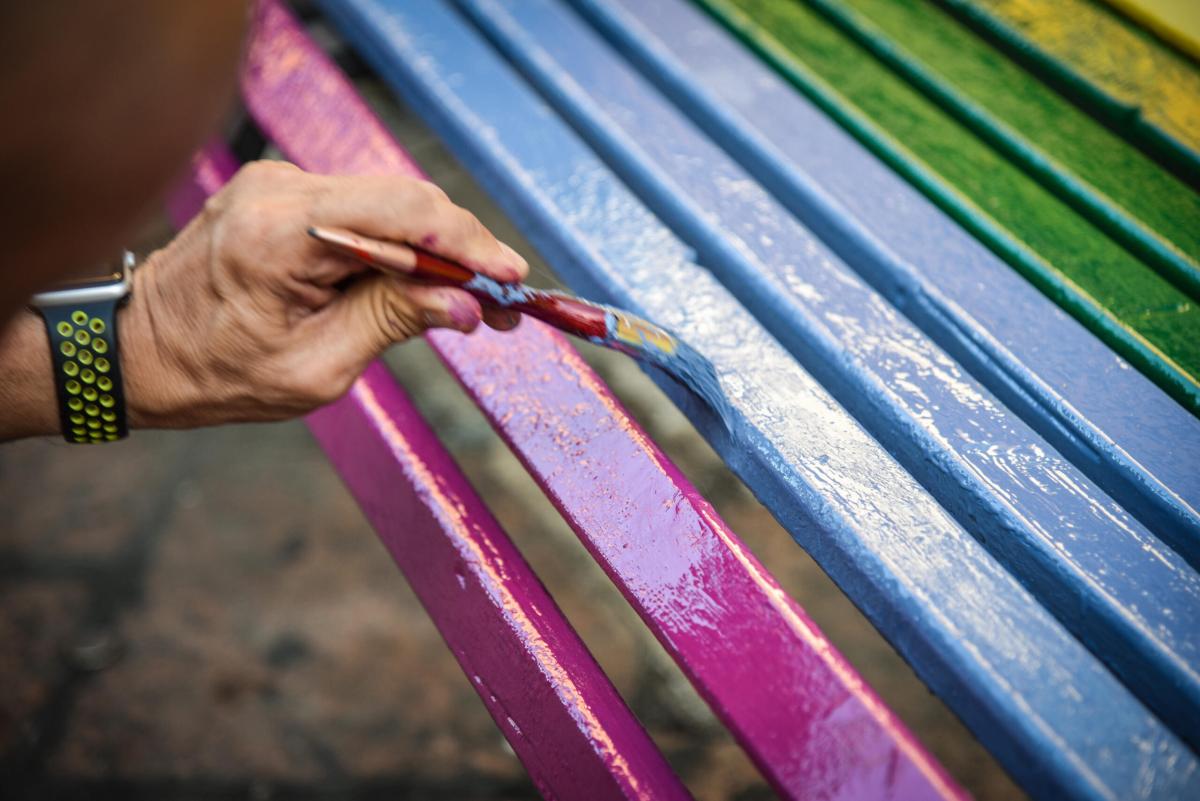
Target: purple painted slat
x=800, y=710
x=558, y=710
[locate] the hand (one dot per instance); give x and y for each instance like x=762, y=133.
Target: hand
x=245, y=317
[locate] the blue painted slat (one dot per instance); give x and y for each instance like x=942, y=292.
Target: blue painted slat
x=1131, y=599
x=1124, y=432
x=1057, y=719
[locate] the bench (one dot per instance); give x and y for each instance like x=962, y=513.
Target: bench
x=953, y=448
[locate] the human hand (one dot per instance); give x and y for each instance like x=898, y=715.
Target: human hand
x=244, y=317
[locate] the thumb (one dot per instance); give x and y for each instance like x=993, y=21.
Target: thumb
x=380, y=310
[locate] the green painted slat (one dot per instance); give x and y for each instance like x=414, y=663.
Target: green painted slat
x=1116, y=71
x=1140, y=314
x=1101, y=176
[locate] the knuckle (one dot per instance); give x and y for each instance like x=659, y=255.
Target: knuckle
x=466, y=228
x=431, y=192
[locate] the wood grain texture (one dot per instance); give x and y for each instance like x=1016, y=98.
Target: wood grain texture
x=1115, y=71
x=789, y=698
x=1134, y=309
x=1051, y=713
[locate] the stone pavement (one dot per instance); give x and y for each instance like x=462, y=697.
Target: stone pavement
x=206, y=615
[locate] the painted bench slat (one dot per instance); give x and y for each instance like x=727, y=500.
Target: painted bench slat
x=1109, y=420
x=1116, y=71
x=1125, y=303
x=1099, y=175
x=1060, y=722
x=795, y=704
x=550, y=699
x=1125, y=594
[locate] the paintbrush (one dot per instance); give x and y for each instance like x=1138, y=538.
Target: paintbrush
x=603, y=325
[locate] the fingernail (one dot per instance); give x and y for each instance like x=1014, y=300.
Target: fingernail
x=462, y=314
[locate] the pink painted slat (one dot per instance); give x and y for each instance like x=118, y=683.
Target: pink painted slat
x=798, y=708
x=558, y=710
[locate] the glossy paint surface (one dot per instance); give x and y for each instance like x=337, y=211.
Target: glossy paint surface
x=550, y=699
x=1123, y=301
x=1049, y=711
x=1111, y=422
x=798, y=708
x=1131, y=599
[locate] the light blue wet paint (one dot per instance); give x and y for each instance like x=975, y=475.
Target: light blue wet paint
x=1113, y=423
x=1130, y=598
x=502, y=294
x=1056, y=718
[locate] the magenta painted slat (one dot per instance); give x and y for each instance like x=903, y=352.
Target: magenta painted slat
x=800, y=710
x=793, y=702
x=558, y=710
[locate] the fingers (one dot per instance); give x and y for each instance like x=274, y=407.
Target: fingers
x=417, y=212
x=379, y=310
x=501, y=319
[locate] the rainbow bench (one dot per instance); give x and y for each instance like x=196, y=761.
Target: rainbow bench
x=1002, y=471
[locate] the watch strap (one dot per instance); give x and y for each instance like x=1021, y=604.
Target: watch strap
x=87, y=370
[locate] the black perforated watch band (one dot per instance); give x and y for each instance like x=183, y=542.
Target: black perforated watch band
x=87, y=370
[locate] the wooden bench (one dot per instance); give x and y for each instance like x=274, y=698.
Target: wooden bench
x=956, y=451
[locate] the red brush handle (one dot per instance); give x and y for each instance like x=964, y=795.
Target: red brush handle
x=564, y=312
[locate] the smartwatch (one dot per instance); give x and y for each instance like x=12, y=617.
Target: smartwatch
x=81, y=321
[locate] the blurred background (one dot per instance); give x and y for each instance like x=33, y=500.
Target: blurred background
x=207, y=615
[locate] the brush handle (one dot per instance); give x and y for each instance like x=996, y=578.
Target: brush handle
x=559, y=309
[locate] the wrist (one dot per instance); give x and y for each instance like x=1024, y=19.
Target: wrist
x=159, y=392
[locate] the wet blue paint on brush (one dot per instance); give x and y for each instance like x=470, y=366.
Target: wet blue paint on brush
x=624, y=332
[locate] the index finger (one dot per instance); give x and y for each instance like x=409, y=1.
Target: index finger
x=409, y=210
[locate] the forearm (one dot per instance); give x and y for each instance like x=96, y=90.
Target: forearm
x=28, y=407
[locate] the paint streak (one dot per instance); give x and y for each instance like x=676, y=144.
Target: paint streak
x=1052, y=713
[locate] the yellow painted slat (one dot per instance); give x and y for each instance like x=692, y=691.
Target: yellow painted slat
x=1124, y=62
x=1176, y=21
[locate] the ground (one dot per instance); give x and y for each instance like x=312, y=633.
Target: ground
x=206, y=614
